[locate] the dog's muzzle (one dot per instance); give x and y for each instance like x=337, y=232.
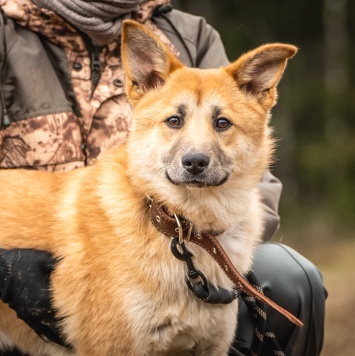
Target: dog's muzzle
x=196, y=169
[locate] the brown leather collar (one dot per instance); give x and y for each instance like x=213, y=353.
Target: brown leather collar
x=177, y=227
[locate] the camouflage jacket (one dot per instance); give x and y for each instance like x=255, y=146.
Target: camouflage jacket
x=62, y=99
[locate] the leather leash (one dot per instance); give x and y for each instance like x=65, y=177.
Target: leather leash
x=177, y=227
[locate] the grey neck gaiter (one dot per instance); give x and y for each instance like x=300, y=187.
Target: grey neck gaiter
x=100, y=20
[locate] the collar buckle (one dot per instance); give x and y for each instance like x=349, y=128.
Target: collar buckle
x=181, y=231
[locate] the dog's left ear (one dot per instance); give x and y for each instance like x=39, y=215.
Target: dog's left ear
x=147, y=60
x=258, y=72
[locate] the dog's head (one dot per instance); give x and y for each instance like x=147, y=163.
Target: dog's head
x=196, y=128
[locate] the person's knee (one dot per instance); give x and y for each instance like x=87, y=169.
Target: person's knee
x=286, y=276
x=296, y=284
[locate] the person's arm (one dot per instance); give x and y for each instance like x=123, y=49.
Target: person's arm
x=25, y=287
x=198, y=43
x=270, y=188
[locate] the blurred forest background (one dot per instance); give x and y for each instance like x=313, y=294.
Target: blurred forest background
x=315, y=125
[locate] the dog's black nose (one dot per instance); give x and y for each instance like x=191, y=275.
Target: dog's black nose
x=195, y=163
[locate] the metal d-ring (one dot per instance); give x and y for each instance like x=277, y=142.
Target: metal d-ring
x=150, y=200
x=181, y=236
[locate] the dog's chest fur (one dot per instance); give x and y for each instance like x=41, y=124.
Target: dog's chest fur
x=180, y=323
x=162, y=315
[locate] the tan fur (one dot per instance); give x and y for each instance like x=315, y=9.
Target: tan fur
x=117, y=285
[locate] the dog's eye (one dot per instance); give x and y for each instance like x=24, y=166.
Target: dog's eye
x=174, y=121
x=222, y=124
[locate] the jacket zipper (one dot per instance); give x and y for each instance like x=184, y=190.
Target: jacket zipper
x=5, y=119
x=95, y=68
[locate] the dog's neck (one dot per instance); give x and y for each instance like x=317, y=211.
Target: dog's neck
x=212, y=210
x=171, y=224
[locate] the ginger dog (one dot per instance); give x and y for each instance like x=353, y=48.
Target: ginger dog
x=199, y=144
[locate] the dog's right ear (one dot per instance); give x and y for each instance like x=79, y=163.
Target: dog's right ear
x=146, y=60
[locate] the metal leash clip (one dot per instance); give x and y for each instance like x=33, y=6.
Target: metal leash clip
x=196, y=280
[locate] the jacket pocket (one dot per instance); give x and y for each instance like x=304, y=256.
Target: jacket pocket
x=44, y=142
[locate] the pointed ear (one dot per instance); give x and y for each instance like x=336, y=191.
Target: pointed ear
x=146, y=60
x=258, y=72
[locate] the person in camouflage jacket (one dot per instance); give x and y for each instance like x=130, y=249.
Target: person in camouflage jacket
x=62, y=104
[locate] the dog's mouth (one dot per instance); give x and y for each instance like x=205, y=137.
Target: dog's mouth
x=198, y=182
